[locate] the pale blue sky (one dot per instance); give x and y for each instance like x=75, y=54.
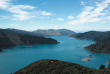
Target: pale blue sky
x=76, y=15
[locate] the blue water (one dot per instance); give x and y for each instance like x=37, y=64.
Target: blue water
x=69, y=49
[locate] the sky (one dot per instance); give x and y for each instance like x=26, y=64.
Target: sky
x=76, y=15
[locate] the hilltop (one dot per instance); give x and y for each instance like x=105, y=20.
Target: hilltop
x=59, y=67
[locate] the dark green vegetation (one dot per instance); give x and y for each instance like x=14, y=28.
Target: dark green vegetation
x=102, y=39
x=9, y=38
x=94, y=35
x=100, y=47
x=60, y=67
x=54, y=32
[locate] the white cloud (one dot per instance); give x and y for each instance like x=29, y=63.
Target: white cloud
x=70, y=17
x=93, y=13
x=4, y=3
x=18, y=11
x=21, y=12
x=21, y=17
x=46, y=13
x=60, y=19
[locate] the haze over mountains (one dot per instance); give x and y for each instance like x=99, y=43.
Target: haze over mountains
x=42, y=32
x=54, y=32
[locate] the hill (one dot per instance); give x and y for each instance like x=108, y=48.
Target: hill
x=102, y=39
x=59, y=67
x=23, y=32
x=9, y=38
x=90, y=35
x=100, y=47
x=54, y=32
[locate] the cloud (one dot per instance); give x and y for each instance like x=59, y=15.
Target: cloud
x=46, y=13
x=92, y=14
x=18, y=11
x=4, y=3
x=60, y=19
x=21, y=12
x=70, y=17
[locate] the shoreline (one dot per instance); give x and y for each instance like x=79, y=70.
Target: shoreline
x=96, y=52
x=1, y=50
x=89, y=45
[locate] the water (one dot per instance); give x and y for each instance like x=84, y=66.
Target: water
x=69, y=49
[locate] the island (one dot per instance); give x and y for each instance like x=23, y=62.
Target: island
x=60, y=67
x=10, y=38
x=102, y=45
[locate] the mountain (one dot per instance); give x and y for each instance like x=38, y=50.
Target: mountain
x=59, y=67
x=65, y=32
x=90, y=35
x=102, y=39
x=23, y=32
x=54, y=32
x=9, y=38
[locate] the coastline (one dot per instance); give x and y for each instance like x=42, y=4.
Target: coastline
x=95, y=52
x=89, y=45
x=1, y=49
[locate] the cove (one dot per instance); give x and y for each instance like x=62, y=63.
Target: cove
x=69, y=49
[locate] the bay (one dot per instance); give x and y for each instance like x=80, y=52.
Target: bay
x=69, y=49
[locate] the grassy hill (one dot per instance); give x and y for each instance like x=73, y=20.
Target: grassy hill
x=59, y=67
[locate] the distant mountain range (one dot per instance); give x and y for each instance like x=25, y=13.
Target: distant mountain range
x=102, y=39
x=23, y=32
x=54, y=32
x=42, y=32
x=10, y=38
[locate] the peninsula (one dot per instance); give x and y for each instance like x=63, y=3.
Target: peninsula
x=102, y=45
x=9, y=39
